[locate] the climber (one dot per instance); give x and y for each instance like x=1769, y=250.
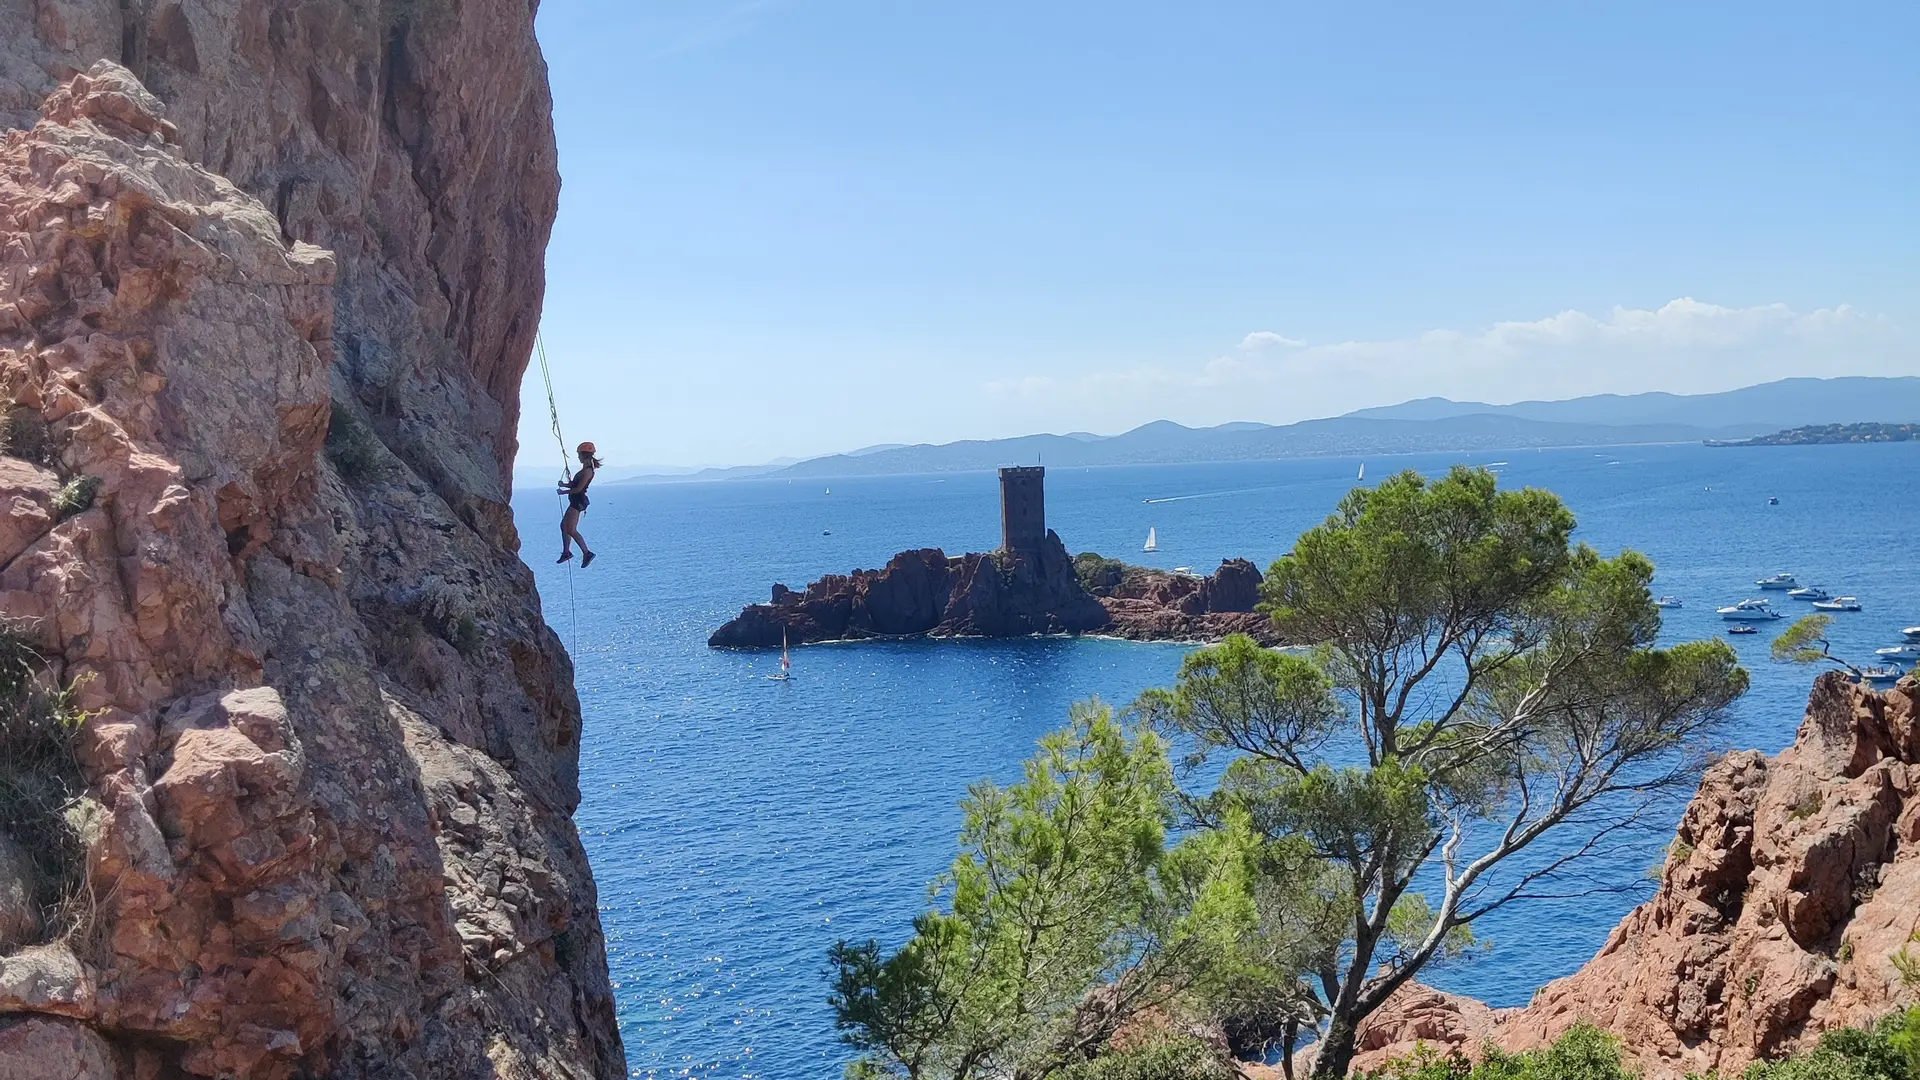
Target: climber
x=576, y=492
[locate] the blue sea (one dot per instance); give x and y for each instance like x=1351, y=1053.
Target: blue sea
x=737, y=826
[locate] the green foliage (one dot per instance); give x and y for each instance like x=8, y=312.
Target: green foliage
x=1240, y=696
x=1678, y=851
x=1903, y=1037
x=1885, y=1051
x=1170, y=1058
x=1394, y=561
x=24, y=435
x=1426, y=1062
x=1066, y=913
x=1583, y=1053
x=1477, y=681
x=1890, y=1050
x=354, y=449
x=75, y=496
x=39, y=777
x=1808, y=806
x=1485, y=681
x=1097, y=572
x=448, y=611
x=1907, y=964
x=1805, y=642
x=466, y=635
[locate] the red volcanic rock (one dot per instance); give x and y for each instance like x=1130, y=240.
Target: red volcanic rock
x=1156, y=605
x=1418, y=1014
x=1235, y=587
x=1004, y=595
x=323, y=840
x=1793, y=882
x=1001, y=595
x=925, y=592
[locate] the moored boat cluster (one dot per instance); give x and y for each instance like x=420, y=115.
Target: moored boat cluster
x=1745, y=614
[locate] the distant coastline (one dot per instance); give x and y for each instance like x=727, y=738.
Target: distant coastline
x=1828, y=434
x=1426, y=425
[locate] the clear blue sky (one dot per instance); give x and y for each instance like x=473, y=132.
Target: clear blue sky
x=792, y=228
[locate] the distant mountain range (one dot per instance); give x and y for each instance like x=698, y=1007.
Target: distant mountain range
x=1425, y=424
x=1782, y=404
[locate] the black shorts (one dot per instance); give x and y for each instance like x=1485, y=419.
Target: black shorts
x=577, y=501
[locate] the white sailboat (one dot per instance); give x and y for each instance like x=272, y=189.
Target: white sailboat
x=1363, y=471
x=786, y=661
x=1152, y=543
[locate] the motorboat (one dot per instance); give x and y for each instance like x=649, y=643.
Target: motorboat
x=1880, y=675
x=1838, y=603
x=1911, y=633
x=1809, y=592
x=1748, y=611
x=1773, y=500
x=1668, y=602
x=1781, y=580
x=1907, y=651
x=1742, y=628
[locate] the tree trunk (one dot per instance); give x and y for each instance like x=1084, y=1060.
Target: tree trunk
x=1330, y=1062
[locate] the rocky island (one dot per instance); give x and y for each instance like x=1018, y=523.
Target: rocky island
x=1029, y=586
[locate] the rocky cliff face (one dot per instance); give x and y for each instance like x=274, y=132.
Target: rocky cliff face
x=1153, y=605
x=332, y=754
x=1792, y=884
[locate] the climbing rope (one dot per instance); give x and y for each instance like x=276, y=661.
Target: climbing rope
x=553, y=410
x=573, y=622
x=566, y=469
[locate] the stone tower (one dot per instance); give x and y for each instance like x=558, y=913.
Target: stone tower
x=1023, y=508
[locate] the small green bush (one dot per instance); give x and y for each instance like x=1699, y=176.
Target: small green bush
x=1427, y=1062
x=75, y=496
x=1172, y=1058
x=354, y=449
x=467, y=635
x=1583, y=1053
x=23, y=434
x=447, y=610
x=40, y=780
x=1890, y=1050
x=1096, y=571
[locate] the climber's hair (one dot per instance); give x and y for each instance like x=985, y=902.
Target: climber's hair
x=587, y=458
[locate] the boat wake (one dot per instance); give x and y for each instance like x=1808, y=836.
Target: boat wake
x=1211, y=494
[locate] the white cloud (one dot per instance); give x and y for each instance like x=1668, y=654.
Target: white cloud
x=1684, y=346
x=1260, y=339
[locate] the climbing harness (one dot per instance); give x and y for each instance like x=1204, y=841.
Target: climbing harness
x=566, y=469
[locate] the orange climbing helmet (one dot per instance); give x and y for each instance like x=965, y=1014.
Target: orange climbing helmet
x=587, y=448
